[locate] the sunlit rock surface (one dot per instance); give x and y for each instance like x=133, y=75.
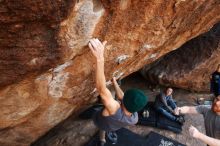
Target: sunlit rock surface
x=46, y=70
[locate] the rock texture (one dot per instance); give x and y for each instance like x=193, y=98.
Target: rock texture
x=190, y=66
x=47, y=69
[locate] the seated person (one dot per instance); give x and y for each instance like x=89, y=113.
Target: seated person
x=165, y=105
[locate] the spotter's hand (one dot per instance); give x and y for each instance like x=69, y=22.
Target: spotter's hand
x=193, y=132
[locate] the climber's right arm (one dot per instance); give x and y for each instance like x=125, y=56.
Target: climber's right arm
x=97, y=49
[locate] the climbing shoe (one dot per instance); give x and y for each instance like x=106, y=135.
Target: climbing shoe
x=180, y=119
x=112, y=137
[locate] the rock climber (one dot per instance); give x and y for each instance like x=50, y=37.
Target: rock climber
x=116, y=113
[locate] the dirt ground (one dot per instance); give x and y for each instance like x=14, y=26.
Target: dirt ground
x=76, y=132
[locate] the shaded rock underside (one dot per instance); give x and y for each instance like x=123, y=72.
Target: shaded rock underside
x=47, y=69
x=190, y=66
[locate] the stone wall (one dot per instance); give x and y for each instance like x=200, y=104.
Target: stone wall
x=46, y=70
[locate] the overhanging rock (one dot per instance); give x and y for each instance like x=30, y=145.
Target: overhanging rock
x=47, y=69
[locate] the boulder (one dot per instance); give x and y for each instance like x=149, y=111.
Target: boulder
x=47, y=70
x=190, y=66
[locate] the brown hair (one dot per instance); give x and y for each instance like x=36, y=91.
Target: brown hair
x=165, y=90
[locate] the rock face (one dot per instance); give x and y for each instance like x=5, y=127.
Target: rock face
x=190, y=66
x=47, y=69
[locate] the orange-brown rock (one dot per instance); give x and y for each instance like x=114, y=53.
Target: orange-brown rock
x=190, y=66
x=47, y=69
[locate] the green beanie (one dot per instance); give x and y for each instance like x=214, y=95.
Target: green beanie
x=134, y=100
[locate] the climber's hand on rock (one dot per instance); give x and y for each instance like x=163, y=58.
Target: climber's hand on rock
x=97, y=48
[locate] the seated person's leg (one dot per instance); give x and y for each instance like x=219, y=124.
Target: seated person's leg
x=171, y=103
x=166, y=113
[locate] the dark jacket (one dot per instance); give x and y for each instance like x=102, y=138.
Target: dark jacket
x=215, y=83
x=162, y=101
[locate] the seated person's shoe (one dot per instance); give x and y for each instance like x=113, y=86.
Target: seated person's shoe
x=101, y=143
x=113, y=137
x=180, y=119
